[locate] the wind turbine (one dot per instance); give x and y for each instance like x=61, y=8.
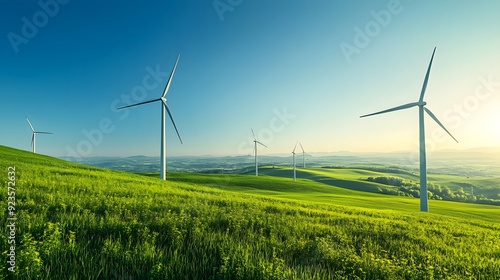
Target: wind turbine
x=294, y=166
x=33, y=138
x=303, y=155
x=164, y=107
x=255, y=142
x=421, y=108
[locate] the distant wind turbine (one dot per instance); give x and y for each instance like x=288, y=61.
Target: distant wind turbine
x=294, y=166
x=255, y=142
x=303, y=155
x=164, y=107
x=421, y=108
x=33, y=138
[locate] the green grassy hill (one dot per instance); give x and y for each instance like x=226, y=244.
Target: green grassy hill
x=350, y=191
x=487, y=189
x=79, y=222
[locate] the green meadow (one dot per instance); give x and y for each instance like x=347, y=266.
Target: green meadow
x=80, y=222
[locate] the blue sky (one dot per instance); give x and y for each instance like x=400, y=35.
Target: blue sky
x=279, y=67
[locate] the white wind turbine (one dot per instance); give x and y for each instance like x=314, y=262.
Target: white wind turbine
x=164, y=107
x=421, y=108
x=33, y=138
x=303, y=155
x=255, y=142
x=294, y=165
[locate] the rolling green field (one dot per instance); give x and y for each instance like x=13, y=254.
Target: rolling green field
x=80, y=222
x=319, y=187
x=356, y=178
x=486, y=190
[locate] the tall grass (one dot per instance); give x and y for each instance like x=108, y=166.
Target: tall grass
x=76, y=222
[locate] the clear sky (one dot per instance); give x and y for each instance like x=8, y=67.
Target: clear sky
x=291, y=70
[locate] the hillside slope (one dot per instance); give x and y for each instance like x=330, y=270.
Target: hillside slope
x=486, y=189
x=78, y=222
x=323, y=187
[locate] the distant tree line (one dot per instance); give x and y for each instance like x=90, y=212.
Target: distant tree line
x=404, y=187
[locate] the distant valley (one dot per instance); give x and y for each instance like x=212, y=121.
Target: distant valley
x=468, y=163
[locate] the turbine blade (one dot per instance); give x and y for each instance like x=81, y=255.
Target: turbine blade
x=440, y=124
x=302, y=147
x=32, y=129
x=171, y=76
x=137, y=104
x=261, y=143
x=424, y=86
x=406, y=106
x=293, y=152
x=32, y=139
x=253, y=135
x=173, y=122
x=42, y=132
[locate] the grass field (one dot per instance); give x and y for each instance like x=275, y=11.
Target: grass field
x=79, y=222
x=318, y=186
x=356, y=179
x=482, y=184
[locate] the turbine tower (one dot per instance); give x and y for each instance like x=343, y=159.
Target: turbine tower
x=33, y=138
x=294, y=166
x=421, y=108
x=164, y=107
x=255, y=142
